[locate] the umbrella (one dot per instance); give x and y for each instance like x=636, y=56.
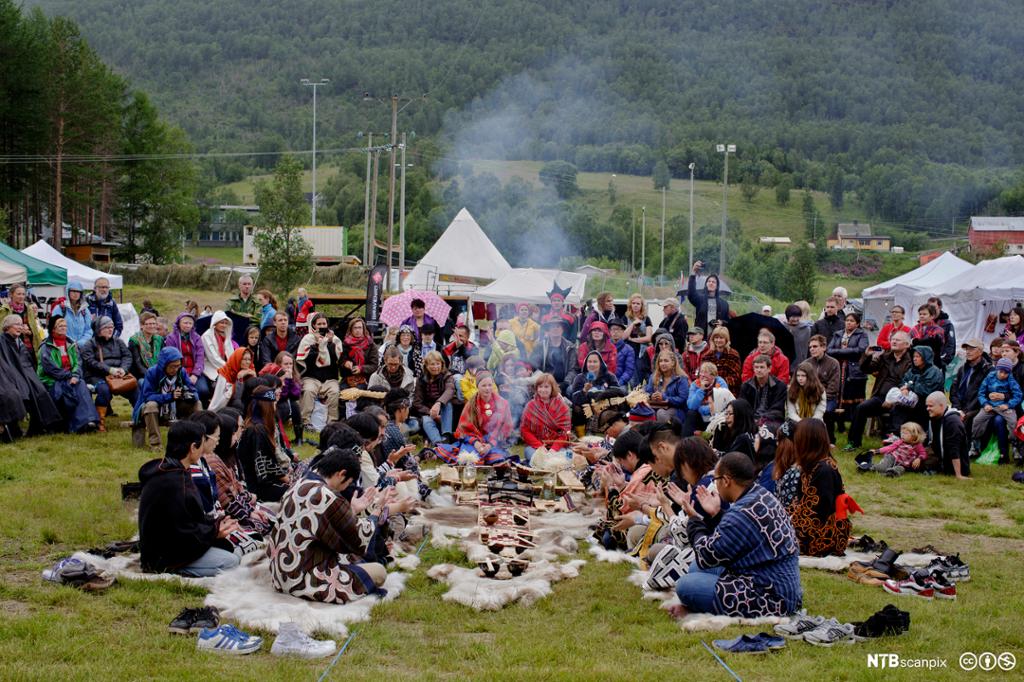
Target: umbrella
x=743, y=332
x=397, y=308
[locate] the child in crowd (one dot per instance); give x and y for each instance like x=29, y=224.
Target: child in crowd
x=467, y=384
x=998, y=396
x=906, y=452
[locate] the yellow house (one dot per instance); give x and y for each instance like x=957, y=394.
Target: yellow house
x=858, y=236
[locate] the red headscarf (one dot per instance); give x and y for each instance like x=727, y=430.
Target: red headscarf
x=233, y=366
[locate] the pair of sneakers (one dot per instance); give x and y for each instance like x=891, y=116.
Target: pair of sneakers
x=922, y=584
x=951, y=567
x=888, y=621
x=191, y=621
x=816, y=630
x=227, y=639
x=761, y=643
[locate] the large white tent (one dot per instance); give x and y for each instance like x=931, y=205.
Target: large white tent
x=878, y=299
x=461, y=261
x=12, y=273
x=991, y=287
x=76, y=271
x=531, y=285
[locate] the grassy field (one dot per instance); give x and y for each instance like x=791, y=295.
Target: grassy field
x=60, y=494
x=214, y=255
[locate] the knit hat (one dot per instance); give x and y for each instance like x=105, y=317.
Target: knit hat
x=103, y=322
x=641, y=413
x=1005, y=365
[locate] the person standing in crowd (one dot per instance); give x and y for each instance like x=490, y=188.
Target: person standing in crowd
x=104, y=356
x=75, y=311
x=165, y=394
x=693, y=351
x=526, y=329
x=711, y=308
x=948, y=349
x=848, y=347
x=625, y=359
x=60, y=369
x=800, y=329
x=145, y=345
x=175, y=534
x=963, y=394
x=31, y=332
x=419, y=318
x=888, y=368
x=267, y=305
x=555, y=355
x=745, y=558
x=193, y=351
x=829, y=375
x=820, y=511
x=639, y=329
x=674, y=321
x=947, y=438
x=766, y=346
x=604, y=311
x=21, y=375
x=360, y=357
x=1014, y=329
x=557, y=311
x=896, y=314
x=927, y=333
x=280, y=339
x=830, y=322
x=725, y=358
x=244, y=303
x=319, y=361
x=102, y=304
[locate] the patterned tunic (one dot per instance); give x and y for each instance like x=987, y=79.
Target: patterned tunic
x=756, y=545
x=314, y=547
x=814, y=512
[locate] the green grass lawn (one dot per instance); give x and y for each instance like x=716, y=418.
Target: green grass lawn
x=61, y=493
x=214, y=255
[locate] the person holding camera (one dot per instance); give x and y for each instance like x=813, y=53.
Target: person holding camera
x=710, y=308
x=165, y=394
x=319, y=360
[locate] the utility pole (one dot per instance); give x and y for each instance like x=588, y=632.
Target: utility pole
x=632, y=252
x=692, y=165
x=643, y=244
x=314, y=85
x=373, y=208
x=726, y=149
x=662, y=276
x=366, y=210
x=391, y=188
x=401, y=215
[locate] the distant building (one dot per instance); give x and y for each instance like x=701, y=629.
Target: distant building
x=857, y=236
x=226, y=224
x=988, y=233
x=780, y=241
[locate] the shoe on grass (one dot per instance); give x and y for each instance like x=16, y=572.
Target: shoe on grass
x=800, y=624
x=191, y=621
x=291, y=641
x=771, y=641
x=944, y=589
x=951, y=567
x=829, y=633
x=889, y=621
x=914, y=586
x=227, y=639
x=744, y=644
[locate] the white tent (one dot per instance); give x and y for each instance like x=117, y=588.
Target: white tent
x=991, y=287
x=12, y=273
x=901, y=290
x=531, y=286
x=461, y=261
x=84, y=274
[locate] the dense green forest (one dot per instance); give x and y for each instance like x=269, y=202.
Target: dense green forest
x=911, y=107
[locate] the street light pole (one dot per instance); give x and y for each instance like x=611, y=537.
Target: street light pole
x=724, y=149
x=314, y=85
x=391, y=188
x=401, y=215
x=366, y=210
x=662, y=275
x=643, y=244
x=692, y=165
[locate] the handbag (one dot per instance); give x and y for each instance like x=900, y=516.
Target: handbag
x=119, y=385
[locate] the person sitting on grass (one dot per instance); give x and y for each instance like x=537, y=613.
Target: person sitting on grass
x=593, y=381
x=432, y=398
x=906, y=453
x=999, y=396
x=668, y=386
x=231, y=378
x=546, y=421
x=106, y=357
x=175, y=534
x=746, y=559
x=60, y=369
x=165, y=394
x=708, y=398
x=395, y=446
x=193, y=353
x=260, y=450
x=819, y=513
x=947, y=438
x=145, y=345
x=484, y=428
x=393, y=372
x=325, y=546
x=806, y=396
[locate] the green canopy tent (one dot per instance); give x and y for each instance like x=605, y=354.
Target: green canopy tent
x=40, y=273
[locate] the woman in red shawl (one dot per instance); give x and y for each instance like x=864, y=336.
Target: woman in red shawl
x=361, y=358
x=484, y=428
x=546, y=419
x=236, y=370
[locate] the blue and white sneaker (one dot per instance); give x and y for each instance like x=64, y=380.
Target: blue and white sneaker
x=69, y=565
x=227, y=639
x=744, y=644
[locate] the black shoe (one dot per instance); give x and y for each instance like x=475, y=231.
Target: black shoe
x=182, y=623
x=191, y=621
x=888, y=621
x=863, y=458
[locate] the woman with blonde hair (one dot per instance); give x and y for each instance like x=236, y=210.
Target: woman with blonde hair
x=668, y=386
x=546, y=420
x=725, y=358
x=432, y=398
x=806, y=396
x=639, y=328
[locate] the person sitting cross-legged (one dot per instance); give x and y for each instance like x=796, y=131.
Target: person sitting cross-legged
x=745, y=558
x=165, y=394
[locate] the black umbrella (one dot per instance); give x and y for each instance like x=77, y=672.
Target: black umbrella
x=743, y=332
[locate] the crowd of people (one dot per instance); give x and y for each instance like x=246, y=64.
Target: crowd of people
x=718, y=477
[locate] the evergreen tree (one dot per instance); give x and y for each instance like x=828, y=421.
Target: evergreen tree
x=836, y=187
x=749, y=188
x=782, y=190
x=800, y=280
x=661, y=176
x=285, y=257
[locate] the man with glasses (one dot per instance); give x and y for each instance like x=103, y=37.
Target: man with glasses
x=101, y=304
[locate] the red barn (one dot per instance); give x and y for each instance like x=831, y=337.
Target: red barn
x=985, y=234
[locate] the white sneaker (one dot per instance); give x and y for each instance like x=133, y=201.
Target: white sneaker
x=291, y=641
x=830, y=632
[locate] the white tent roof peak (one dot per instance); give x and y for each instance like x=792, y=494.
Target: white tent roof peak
x=462, y=259
x=77, y=271
x=937, y=270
